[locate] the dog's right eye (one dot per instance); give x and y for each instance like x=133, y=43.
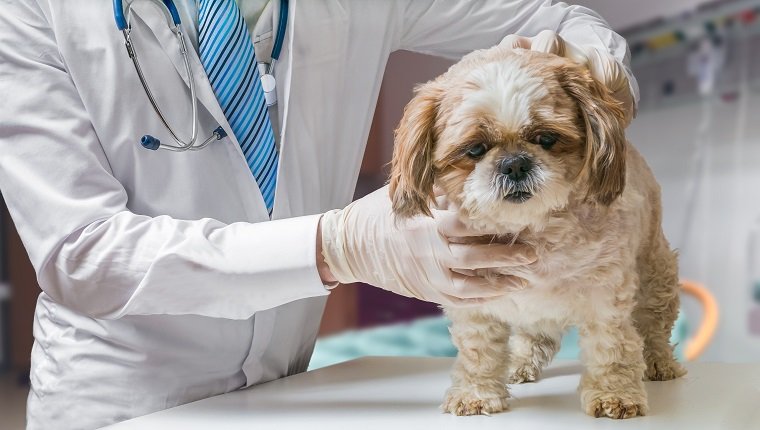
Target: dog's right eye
x=547, y=140
x=477, y=150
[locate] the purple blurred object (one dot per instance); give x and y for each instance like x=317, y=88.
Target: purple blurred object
x=754, y=321
x=379, y=307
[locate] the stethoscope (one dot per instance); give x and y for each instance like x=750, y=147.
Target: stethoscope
x=123, y=15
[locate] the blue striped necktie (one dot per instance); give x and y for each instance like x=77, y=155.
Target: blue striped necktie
x=226, y=51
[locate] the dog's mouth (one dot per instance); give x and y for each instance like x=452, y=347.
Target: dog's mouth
x=518, y=196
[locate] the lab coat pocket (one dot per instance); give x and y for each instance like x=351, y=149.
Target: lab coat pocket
x=320, y=31
x=44, y=374
x=40, y=371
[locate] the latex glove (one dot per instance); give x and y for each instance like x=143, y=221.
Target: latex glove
x=603, y=66
x=366, y=243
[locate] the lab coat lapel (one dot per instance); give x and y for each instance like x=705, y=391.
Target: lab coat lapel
x=153, y=21
x=307, y=85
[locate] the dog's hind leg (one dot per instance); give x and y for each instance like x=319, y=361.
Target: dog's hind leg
x=478, y=379
x=530, y=350
x=657, y=309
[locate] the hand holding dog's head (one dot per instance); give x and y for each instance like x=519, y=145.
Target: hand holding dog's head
x=509, y=134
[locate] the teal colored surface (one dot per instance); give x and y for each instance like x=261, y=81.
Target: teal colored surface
x=428, y=337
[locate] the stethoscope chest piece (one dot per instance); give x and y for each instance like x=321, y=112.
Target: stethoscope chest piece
x=152, y=143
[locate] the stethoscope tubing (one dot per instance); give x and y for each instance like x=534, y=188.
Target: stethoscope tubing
x=281, y=24
x=194, y=134
x=174, y=22
x=122, y=21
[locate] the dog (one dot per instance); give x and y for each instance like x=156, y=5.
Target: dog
x=531, y=149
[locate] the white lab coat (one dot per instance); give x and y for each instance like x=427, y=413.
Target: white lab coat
x=162, y=282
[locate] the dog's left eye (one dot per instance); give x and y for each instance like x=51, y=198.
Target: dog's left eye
x=477, y=151
x=545, y=140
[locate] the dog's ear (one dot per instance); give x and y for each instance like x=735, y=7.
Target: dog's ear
x=412, y=170
x=604, y=120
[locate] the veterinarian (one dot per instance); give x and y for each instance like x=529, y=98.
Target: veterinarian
x=179, y=244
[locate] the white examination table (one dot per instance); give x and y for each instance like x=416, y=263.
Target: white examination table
x=405, y=393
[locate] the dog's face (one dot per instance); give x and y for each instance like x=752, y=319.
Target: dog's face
x=509, y=136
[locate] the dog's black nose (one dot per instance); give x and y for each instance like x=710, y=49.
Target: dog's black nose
x=516, y=168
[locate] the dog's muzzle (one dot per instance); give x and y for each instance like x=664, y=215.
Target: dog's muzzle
x=516, y=178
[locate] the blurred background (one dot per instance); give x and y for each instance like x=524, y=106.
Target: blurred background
x=698, y=66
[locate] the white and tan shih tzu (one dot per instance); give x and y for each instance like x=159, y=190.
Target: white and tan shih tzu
x=531, y=148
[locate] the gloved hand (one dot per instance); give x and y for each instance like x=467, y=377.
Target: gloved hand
x=366, y=243
x=603, y=66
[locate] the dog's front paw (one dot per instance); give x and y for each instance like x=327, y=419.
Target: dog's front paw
x=663, y=370
x=462, y=401
x=616, y=405
x=522, y=374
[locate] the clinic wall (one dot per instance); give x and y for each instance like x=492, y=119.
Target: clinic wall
x=403, y=72
x=623, y=14
x=4, y=293
x=727, y=203
x=704, y=147
x=24, y=291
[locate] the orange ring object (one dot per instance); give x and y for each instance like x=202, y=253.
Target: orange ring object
x=706, y=330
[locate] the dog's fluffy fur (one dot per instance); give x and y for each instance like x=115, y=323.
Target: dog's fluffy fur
x=588, y=204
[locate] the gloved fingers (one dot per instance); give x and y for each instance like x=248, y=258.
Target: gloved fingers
x=548, y=41
x=509, y=283
x=456, y=302
x=465, y=272
x=604, y=69
x=500, y=280
x=461, y=291
x=467, y=291
x=478, y=287
x=515, y=41
x=602, y=65
x=442, y=202
x=497, y=285
x=472, y=287
x=450, y=224
x=575, y=52
x=607, y=70
x=481, y=256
